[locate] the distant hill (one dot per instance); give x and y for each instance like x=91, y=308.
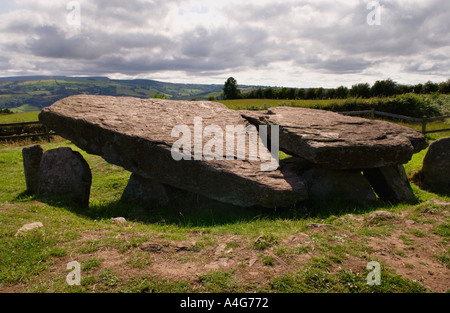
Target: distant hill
x=27, y=92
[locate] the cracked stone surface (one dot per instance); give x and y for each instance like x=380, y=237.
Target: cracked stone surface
x=136, y=134
x=337, y=141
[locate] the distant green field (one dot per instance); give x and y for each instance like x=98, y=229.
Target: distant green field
x=25, y=108
x=258, y=104
x=19, y=117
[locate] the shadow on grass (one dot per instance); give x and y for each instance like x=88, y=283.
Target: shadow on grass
x=186, y=215
x=417, y=179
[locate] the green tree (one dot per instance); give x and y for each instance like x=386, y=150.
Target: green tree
x=320, y=93
x=418, y=89
x=444, y=87
x=6, y=111
x=269, y=93
x=230, y=90
x=310, y=93
x=384, y=88
x=360, y=90
x=341, y=92
x=301, y=93
x=291, y=93
x=430, y=87
x=330, y=93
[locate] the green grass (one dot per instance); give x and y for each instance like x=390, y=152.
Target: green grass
x=259, y=104
x=314, y=279
x=25, y=108
x=19, y=117
x=220, y=282
x=86, y=233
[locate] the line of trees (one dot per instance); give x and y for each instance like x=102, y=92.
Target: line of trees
x=381, y=88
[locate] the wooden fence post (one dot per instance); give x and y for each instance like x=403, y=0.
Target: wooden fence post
x=424, y=125
x=372, y=114
x=47, y=133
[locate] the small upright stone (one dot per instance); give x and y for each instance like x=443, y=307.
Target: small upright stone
x=390, y=183
x=32, y=156
x=65, y=172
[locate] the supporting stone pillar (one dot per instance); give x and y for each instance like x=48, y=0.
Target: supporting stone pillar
x=143, y=189
x=390, y=183
x=324, y=184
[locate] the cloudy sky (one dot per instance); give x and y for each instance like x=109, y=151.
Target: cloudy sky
x=299, y=43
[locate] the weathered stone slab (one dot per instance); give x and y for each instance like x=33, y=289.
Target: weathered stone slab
x=137, y=135
x=390, y=183
x=336, y=141
x=65, y=172
x=436, y=165
x=32, y=156
x=325, y=184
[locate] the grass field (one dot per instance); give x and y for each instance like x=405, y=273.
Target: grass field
x=25, y=108
x=212, y=249
x=19, y=117
x=215, y=250
x=258, y=104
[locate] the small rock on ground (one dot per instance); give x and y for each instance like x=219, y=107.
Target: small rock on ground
x=220, y=263
x=28, y=227
x=119, y=220
x=316, y=225
x=151, y=247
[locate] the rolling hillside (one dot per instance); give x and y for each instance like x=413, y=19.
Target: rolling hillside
x=35, y=92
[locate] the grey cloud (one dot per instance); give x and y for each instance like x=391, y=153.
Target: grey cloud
x=52, y=42
x=343, y=65
x=116, y=38
x=438, y=67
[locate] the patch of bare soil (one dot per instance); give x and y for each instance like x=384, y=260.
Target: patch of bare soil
x=414, y=257
x=409, y=249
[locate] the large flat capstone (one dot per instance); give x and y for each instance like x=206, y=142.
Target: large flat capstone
x=138, y=134
x=335, y=141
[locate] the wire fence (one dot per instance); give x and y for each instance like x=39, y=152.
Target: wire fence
x=20, y=131
x=424, y=121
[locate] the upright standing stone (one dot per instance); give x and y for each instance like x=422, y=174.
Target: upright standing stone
x=142, y=189
x=436, y=165
x=324, y=184
x=32, y=156
x=65, y=172
x=390, y=183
